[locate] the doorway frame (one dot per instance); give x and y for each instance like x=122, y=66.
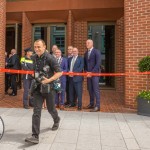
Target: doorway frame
x=115, y=40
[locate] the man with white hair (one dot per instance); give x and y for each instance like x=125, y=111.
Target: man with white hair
x=14, y=63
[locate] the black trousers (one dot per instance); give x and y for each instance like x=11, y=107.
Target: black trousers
x=14, y=83
x=67, y=91
x=38, y=101
x=7, y=82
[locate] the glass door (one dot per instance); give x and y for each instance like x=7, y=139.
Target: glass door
x=103, y=37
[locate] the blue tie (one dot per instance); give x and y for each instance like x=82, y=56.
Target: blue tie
x=89, y=52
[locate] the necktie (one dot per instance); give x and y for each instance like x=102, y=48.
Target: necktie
x=89, y=54
x=58, y=60
x=72, y=64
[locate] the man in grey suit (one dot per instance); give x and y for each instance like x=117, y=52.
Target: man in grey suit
x=92, y=61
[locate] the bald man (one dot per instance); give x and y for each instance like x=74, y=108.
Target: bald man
x=92, y=59
x=14, y=63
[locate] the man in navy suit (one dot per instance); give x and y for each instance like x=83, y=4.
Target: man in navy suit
x=92, y=61
x=60, y=97
x=69, y=54
x=75, y=64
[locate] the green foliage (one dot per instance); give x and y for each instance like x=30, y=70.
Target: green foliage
x=144, y=94
x=144, y=64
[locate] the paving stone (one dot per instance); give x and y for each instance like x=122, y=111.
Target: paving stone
x=77, y=131
x=132, y=144
x=63, y=146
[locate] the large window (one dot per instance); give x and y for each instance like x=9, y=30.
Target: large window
x=51, y=34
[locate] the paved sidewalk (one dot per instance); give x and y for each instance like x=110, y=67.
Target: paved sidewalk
x=78, y=131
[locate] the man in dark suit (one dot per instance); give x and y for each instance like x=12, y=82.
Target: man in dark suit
x=14, y=63
x=60, y=97
x=69, y=54
x=75, y=64
x=92, y=61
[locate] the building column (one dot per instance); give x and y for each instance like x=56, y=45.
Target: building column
x=80, y=36
x=2, y=44
x=120, y=54
x=26, y=32
x=137, y=45
x=70, y=29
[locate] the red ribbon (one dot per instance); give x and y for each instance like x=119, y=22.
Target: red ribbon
x=79, y=74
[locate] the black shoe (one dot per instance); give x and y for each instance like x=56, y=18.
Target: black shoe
x=56, y=124
x=79, y=108
x=71, y=105
x=33, y=139
x=67, y=103
x=12, y=94
x=95, y=109
x=26, y=107
x=89, y=106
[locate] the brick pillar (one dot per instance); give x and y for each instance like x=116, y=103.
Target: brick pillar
x=80, y=36
x=137, y=45
x=70, y=29
x=26, y=32
x=2, y=44
x=120, y=54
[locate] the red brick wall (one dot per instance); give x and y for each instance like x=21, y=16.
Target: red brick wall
x=80, y=37
x=26, y=32
x=70, y=29
x=137, y=45
x=2, y=44
x=120, y=54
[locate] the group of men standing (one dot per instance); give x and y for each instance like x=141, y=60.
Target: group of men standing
x=90, y=63
x=72, y=86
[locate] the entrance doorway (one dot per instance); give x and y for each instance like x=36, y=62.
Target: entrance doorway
x=13, y=41
x=13, y=38
x=103, y=36
x=52, y=35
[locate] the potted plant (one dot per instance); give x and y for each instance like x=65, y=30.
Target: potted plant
x=143, y=98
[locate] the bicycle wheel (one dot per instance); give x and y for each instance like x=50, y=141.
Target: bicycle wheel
x=1, y=128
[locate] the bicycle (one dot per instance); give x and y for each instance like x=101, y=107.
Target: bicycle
x=2, y=127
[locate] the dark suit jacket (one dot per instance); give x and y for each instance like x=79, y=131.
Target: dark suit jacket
x=93, y=63
x=14, y=62
x=78, y=67
x=64, y=68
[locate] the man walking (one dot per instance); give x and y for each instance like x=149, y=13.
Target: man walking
x=44, y=62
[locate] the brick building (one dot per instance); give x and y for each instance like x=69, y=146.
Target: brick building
x=119, y=28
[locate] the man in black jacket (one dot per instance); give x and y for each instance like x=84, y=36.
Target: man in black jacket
x=43, y=61
x=13, y=63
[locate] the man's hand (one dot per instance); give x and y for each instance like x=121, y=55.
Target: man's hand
x=70, y=74
x=89, y=75
x=54, y=77
x=45, y=81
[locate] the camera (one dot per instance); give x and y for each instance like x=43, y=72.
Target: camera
x=39, y=75
x=38, y=78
